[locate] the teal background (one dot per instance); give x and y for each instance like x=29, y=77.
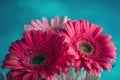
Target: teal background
x=15, y=13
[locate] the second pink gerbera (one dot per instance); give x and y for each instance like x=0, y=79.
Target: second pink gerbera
x=95, y=49
x=38, y=55
x=55, y=24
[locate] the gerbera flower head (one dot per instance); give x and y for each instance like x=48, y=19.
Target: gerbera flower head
x=95, y=49
x=38, y=55
x=55, y=24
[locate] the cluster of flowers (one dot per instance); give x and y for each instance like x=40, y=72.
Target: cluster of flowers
x=53, y=50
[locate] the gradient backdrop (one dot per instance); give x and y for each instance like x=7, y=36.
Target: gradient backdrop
x=15, y=13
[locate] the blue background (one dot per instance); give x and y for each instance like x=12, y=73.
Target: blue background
x=15, y=13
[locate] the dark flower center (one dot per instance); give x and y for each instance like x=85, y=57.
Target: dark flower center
x=42, y=79
x=86, y=47
x=37, y=60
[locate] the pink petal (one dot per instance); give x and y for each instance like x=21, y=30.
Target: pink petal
x=54, y=21
x=35, y=25
x=106, y=65
x=40, y=25
x=63, y=20
x=28, y=27
x=95, y=30
x=35, y=76
x=45, y=23
x=11, y=67
x=70, y=29
x=28, y=76
x=77, y=27
x=84, y=25
x=28, y=39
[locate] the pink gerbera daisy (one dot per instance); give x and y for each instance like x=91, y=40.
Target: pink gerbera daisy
x=95, y=49
x=38, y=55
x=55, y=24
